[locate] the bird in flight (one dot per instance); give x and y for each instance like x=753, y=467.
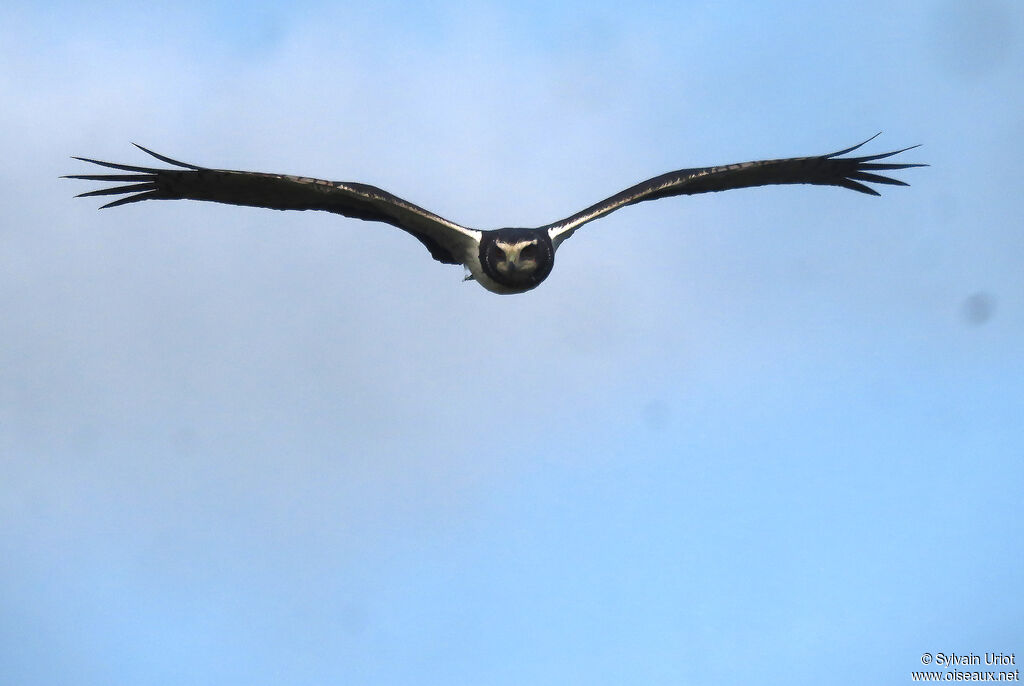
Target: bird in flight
x=512, y=260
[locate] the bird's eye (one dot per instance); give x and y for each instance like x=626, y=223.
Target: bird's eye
x=528, y=252
x=497, y=254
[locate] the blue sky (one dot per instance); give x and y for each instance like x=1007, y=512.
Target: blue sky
x=769, y=436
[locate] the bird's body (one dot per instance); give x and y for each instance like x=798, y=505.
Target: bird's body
x=511, y=260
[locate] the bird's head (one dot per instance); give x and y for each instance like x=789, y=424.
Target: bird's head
x=518, y=259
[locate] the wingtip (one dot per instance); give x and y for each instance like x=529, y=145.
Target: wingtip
x=164, y=158
x=855, y=186
x=138, y=197
x=854, y=147
x=909, y=147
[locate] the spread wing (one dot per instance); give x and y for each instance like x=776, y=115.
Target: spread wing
x=823, y=170
x=447, y=241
